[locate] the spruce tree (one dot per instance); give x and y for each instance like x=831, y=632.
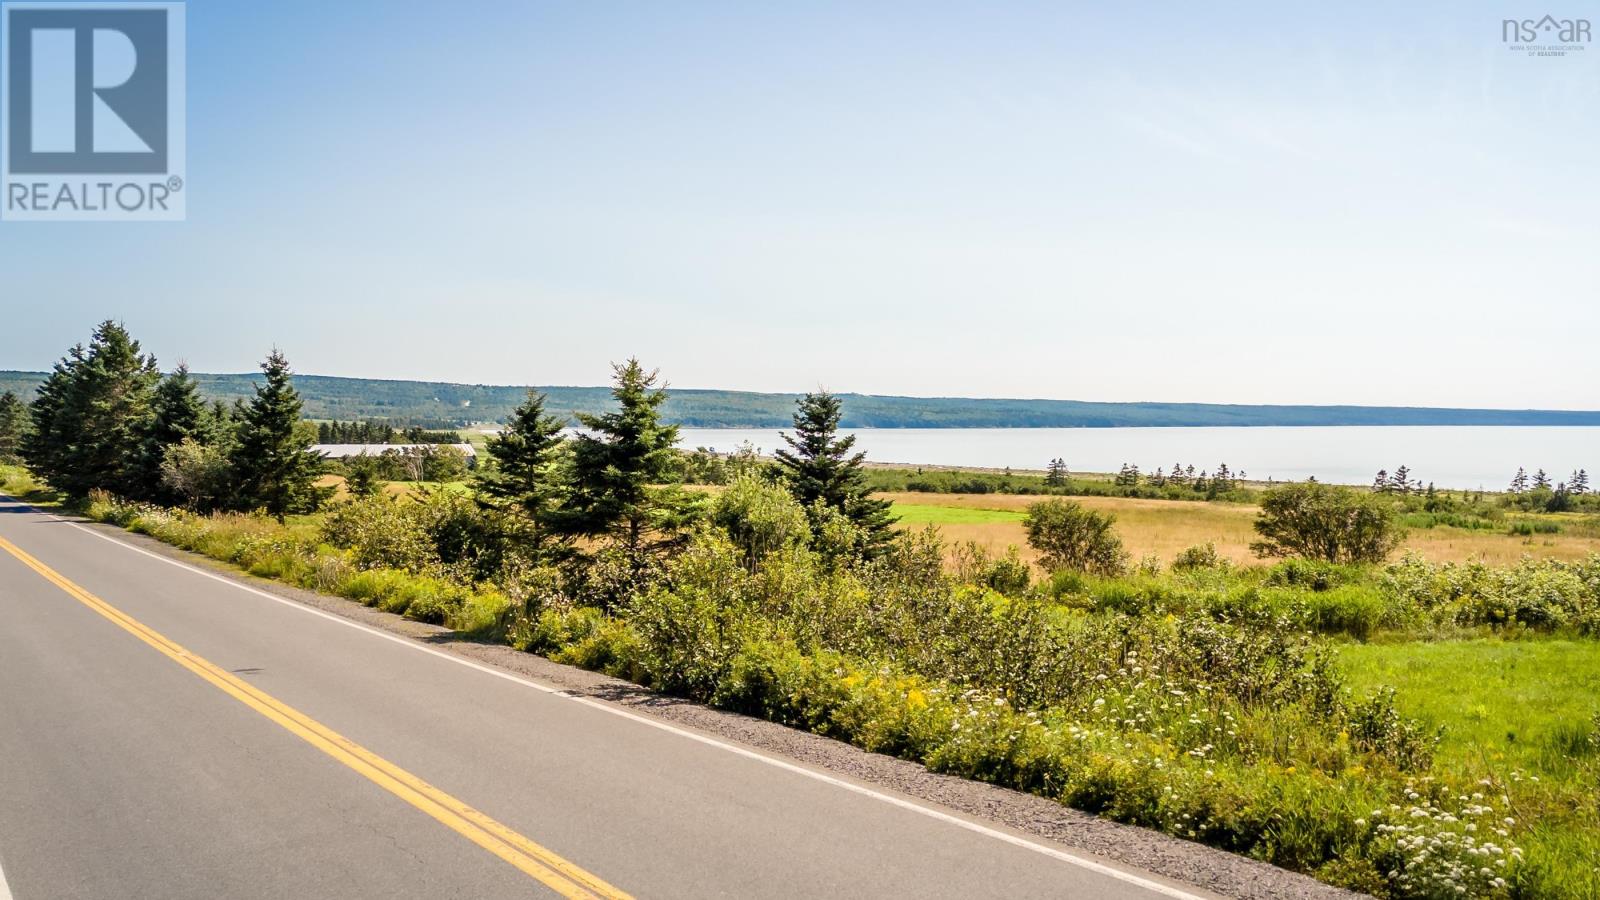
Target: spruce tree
x=1402, y=480
x=44, y=446
x=1222, y=479
x=622, y=467
x=525, y=476
x=1380, y=484
x=1128, y=476
x=1540, y=479
x=274, y=468
x=13, y=425
x=819, y=468
x=1519, y=482
x=1579, y=483
x=177, y=414
x=361, y=477
x=90, y=415
x=1056, y=474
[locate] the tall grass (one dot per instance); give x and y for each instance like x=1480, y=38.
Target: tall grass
x=294, y=554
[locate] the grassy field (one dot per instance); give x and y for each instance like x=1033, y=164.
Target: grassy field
x=395, y=488
x=1526, y=715
x=1165, y=527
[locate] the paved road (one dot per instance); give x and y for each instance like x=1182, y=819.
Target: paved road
x=251, y=761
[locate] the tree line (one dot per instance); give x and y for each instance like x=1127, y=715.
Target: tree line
x=1220, y=481
x=379, y=431
x=617, y=483
x=107, y=419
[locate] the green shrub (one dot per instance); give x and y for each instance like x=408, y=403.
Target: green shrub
x=1319, y=521
x=1200, y=556
x=1070, y=536
x=760, y=517
x=689, y=633
x=1315, y=575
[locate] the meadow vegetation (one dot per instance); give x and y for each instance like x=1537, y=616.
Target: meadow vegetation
x=1402, y=726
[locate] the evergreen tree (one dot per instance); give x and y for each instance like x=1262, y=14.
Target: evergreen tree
x=361, y=476
x=273, y=465
x=1221, y=480
x=525, y=476
x=1579, y=483
x=1560, y=500
x=90, y=415
x=1540, y=480
x=1402, y=480
x=1056, y=474
x=820, y=468
x=44, y=446
x=621, y=469
x=1519, y=482
x=177, y=414
x=13, y=425
x=219, y=424
x=1380, y=484
x=1177, y=477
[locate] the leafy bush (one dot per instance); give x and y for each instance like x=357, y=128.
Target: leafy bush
x=1323, y=522
x=1545, y=594
x=760, y=517
x=440, y=533
x=1069, y=536
x=1200, y=556
x=1007, y=575
x=1313, y=574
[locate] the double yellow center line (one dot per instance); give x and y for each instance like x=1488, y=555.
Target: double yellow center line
x=556, y=873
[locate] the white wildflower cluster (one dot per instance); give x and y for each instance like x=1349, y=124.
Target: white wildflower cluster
x=1443, y=845
x=1184, y=714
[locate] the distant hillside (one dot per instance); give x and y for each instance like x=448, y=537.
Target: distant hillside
x=440, y=404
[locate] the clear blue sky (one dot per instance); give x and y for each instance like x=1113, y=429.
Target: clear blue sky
x=1362, y=203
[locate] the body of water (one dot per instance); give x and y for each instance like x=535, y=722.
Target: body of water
x=1459, y=457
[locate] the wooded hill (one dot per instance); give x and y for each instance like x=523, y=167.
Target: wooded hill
x=443, y=404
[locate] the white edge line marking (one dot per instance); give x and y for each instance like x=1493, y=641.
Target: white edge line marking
x=5, y=891
x=1093, y=866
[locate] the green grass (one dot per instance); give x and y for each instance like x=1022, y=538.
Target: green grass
x=1520, y=710
x=1519, y=703
x=953, y=515
x=16, y=482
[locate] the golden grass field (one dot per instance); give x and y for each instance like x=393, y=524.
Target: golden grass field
x=1165, y=527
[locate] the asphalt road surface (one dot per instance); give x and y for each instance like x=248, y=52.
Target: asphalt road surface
x=168, y=732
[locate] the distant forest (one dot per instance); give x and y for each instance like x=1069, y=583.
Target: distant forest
x=444, y=405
